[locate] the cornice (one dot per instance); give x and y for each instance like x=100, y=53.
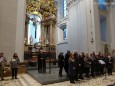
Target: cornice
x=72, y=2
x=62, y=21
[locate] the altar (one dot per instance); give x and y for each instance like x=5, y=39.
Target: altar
x=40, y=33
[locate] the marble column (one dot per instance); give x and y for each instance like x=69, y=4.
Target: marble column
x=26, y=33
x=42, y=34
x=51, y=33
x=12, y=25
x=112, y=23
x=26, y=30
x=45, y=28
x=95, y=26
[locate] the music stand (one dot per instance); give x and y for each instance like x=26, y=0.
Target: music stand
x=103, y=63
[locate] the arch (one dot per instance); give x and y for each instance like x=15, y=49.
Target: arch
x=37, y=13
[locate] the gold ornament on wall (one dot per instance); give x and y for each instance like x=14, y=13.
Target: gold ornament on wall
x=45, y=7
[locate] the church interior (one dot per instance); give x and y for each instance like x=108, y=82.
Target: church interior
x=39, y=31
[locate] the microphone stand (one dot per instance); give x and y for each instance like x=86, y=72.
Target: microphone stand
x=42, y=65
x=105, y=72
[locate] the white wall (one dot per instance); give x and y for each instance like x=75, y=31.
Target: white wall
x=83, y=24
x=7, y=29
x=61, y=44
x=20, y=28
x=12, y=27
x=77, y=31
x=77, y=37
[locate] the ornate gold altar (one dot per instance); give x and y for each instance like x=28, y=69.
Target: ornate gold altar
x=46, y=10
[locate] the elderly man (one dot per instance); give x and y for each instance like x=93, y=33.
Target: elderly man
x=2, y=65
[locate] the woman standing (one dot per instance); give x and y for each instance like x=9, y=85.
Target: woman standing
x=72, y=68
x=14, y=65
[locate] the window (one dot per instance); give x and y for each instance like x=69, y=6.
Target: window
x=102, y=4
x=64, y=8
x=64, y=33
x=103, y=28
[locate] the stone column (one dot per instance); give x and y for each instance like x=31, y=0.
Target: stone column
x=12, y=25
x=51, y=33
x=42, y=34
x=112, y=23
x=95, y=26
x=19, y=44
x=45, y=35
x=26, y=34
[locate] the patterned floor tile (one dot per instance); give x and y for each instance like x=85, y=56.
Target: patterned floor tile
x=26, y=80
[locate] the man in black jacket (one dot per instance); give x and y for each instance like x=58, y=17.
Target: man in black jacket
x=67, y=55
x=41, y=61
x=60, y=63
x=109, y=64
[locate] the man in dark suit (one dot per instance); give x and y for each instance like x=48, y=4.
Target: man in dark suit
x=109, y=64
x=60, y=63
x=41, y=61
x=67, y=55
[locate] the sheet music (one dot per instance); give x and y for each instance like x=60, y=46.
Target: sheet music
x=101, y=62
x=1, y=59
x=13, y=59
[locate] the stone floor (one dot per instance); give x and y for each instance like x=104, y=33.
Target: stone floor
x=47, y=78
x=27, y=80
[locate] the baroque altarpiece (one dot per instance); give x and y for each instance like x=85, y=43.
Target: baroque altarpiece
x=46, y=11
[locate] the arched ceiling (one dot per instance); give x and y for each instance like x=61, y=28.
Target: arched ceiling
x=44, y=7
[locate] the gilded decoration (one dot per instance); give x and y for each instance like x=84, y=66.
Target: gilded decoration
x=46, y=10
x=45, y=7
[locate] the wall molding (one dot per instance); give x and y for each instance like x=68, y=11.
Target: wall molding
x=72, y=2
x=62, y=43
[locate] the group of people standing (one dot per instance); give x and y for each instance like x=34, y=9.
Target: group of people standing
x=76, y=65
x=14, y=65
